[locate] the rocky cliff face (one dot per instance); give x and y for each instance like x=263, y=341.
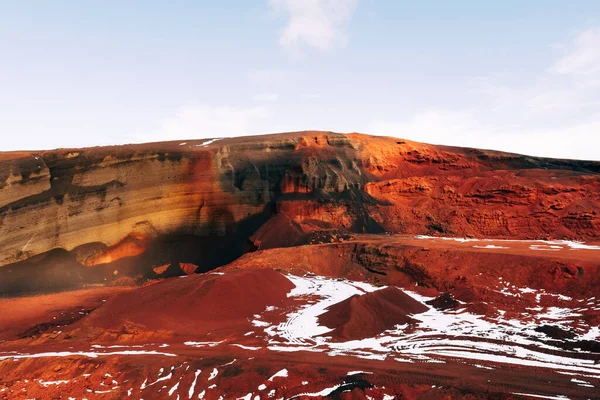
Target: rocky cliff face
x=97, y=215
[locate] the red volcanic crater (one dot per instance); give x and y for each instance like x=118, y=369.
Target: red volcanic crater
x=370, y=314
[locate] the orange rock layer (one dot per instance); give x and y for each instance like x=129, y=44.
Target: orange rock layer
x=76, y=216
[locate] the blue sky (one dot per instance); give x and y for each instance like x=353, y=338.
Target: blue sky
x=512, y=75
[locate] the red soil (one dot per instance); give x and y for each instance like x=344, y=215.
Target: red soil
x=308, y=183
x=368, y=315
x=19, y=314
x=216, y=307
x=194, y=305
x=435, y=266
x=87, y=378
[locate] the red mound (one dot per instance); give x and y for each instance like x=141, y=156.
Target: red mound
x=370, y=314
x=196, y=304
x=279, y=231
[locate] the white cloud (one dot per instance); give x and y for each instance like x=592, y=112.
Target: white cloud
x=205, y=121
x=433, y=126
x=316, y=23
x=555, y=115
x=582, y=58
x=578, y=141
x=266, y=97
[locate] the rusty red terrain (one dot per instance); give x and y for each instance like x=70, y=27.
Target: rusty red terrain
x=298, y=266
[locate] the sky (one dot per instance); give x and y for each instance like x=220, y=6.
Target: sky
x=519, y=76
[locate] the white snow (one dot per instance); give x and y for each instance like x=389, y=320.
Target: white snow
x=544, y=247
x=281, y=374
x=241, y=346
x=554, y=313
x=83, y=354
x=302, y=326
x=592, y=334
x=202, y=344
x=540, y=244
x=461, y=240
x=582, y=383
x=436, y=334
x=193, y=386
x=52, y=383
x=213, y=374
x=204, y=144
x=324, y=392
x=160, y=379
x=173, y=389
x=537, y=396
x=98, y=346
x=579, y=245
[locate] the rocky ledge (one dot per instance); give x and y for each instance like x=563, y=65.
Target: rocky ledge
x=71, y=217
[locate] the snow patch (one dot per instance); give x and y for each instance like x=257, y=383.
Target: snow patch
x=281, y=374
x=204, y=144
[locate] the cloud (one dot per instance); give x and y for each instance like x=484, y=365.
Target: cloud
x=578, y=141
x=436, y=126
x=554, y=115
x=266, y=97
x=315, y=23
x=582, y=58
x=199, y=121
x=463, y=129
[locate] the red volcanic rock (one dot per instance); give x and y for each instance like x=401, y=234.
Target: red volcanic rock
x=127, y=215
x=279, y=231
x=161, y=270
x=132, y=208
x=475, y=276
x=188, y=268
x=132, y=245
x=194, y=305
x=370, y=314
x=444, y=302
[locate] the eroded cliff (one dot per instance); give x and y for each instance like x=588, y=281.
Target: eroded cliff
x=70, y=217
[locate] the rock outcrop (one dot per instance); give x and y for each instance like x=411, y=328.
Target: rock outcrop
x=70, y=217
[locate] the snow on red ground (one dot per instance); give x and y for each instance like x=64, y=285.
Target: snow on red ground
x=260, y=333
